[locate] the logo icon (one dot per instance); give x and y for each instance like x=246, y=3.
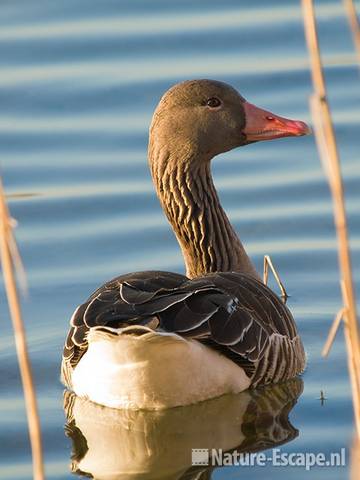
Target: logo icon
x=200, y=456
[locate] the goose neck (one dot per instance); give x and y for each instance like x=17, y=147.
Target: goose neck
x=190, y=201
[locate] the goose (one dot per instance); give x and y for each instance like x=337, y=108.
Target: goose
x=154, y=340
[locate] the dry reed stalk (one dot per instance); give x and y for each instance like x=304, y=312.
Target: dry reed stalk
x=354, y=23
x=332, y=333
x=326, y=141
x=7, y=248
x=355, y=460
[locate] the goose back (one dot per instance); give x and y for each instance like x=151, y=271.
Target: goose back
x=233, y=313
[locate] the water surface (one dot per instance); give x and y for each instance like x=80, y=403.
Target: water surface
x=79, y=81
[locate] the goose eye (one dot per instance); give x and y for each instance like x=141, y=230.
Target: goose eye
x=213, y=102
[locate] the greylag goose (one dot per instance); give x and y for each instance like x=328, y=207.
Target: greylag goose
x=153, y=340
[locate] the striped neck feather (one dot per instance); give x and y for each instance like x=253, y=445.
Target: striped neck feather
x=189, y=199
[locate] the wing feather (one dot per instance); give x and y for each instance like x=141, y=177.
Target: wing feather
x=231, y=312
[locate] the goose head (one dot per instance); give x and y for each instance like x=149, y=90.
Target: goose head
x=204, y=118
x=195, y=121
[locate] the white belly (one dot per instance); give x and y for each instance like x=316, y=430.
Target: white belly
x=153, y=371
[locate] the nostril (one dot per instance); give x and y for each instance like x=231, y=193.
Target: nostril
x=270, y=118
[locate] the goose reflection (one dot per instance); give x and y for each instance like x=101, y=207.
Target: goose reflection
x=111, y=444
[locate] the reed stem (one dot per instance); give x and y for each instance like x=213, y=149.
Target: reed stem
x=326, y=141
x=6, y=240
x=354, y=24
x=333, y=331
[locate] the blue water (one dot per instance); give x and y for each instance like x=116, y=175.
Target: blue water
x=79, y=80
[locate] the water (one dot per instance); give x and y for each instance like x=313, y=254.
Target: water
x=79, y=80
